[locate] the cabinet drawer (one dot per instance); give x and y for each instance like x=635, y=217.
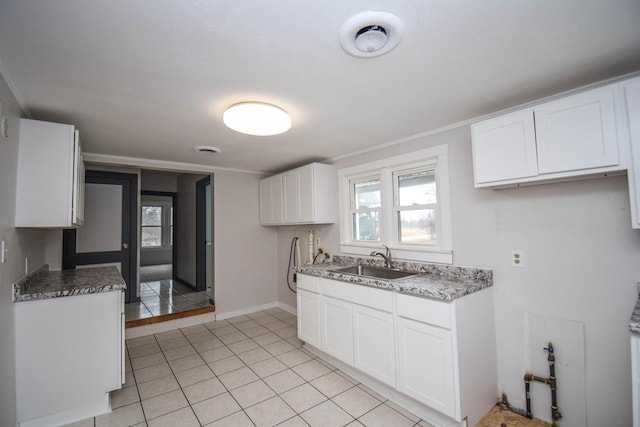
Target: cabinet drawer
x=358, y=294
x=308, y=283
x=424, y=310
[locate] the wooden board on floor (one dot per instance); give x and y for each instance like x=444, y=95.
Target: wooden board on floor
x=170, y=316
x=497, y=416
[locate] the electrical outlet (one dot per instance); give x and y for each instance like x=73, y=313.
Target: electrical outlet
x=517, y=258
x=317, y=241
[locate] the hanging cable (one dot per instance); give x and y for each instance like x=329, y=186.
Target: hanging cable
x=292, y=257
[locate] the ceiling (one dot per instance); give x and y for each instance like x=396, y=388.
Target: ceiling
x=151, y=78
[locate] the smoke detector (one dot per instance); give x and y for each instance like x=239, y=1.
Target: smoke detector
x=372, y=33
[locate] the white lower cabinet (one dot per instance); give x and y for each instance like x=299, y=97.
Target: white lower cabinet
x=69, y=356
x=425, y=364
x=309, y=318
x=337, y=328
x=436, y=357
x=374, y=338
x=309, y=309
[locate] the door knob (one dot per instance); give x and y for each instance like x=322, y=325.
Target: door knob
x=125, y=245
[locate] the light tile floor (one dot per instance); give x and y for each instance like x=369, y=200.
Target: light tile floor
x=244, y=371
x=166, y=296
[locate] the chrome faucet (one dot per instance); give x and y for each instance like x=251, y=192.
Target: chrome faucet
x=386, y=255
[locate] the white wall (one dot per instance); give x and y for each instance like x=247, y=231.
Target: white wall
x=159, y=181
x=245, y=258
x=21, y=244
x=581, y=268
x=186, y=228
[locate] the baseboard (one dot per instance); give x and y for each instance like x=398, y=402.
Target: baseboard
x=255, y=309
x=90, y=409
x=248, y=310
x=287, y=308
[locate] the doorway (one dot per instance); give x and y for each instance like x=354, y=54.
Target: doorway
x=109, y=233
x=170, y=240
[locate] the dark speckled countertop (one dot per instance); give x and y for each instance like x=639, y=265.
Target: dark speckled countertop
x=440, y=282
x=634, y=322
x=45, y=284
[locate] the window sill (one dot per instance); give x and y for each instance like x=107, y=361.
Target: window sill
x=424, y=255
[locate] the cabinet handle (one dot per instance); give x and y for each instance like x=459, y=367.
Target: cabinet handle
x=125, y=245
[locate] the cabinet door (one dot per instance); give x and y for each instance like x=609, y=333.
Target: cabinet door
x=577, y=132
x=337, y=334
x=78, y=183
x=290, y=191
x=632, y=100
x=309, y=317
x=375, y=343
x=306, y=195
x=504, y=148
x=425, y=365
x=271, y=200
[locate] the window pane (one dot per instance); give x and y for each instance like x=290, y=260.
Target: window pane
x=366, y=226
x=417, y=226
x=417, y=188
x=151, y=236
x=151, y=215
x=367, y=194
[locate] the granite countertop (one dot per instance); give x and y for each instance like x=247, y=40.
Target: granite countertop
x=45, y=284
x=441, y=282
x=634, y=322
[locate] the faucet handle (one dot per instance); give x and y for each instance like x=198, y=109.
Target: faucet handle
x=387, y=250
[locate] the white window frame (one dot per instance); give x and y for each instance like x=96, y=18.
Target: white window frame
x=437, y=157
x=165, y=226
x=352, y=208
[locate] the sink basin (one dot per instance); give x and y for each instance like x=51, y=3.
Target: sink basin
x=375, y=272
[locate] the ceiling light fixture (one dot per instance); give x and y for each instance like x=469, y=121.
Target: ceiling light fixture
x=372, y=33
x=257, y=118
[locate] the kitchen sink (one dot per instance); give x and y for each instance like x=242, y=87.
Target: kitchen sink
x=375, y=272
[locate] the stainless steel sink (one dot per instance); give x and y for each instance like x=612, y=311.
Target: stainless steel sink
x=375, y=272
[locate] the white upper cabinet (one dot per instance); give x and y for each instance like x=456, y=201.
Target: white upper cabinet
x=631, y=90
x=50, y=181
x=572, y=136
x=505, y=148
x=305, y=195
x=271, y=200
x=577, y=132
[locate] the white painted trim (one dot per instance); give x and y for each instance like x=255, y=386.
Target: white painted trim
x=248, y=310
x=384, y=169
x=169, y=325
x=164, y=165
x=396, y=161
x=69, y=416
x=287, y=308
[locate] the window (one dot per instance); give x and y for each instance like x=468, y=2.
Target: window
x=157, y=225
x=401, y=202
x=415, y=206
x=365, y=209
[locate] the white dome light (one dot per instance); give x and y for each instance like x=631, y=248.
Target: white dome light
x=257, y=118
x=371, y=33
